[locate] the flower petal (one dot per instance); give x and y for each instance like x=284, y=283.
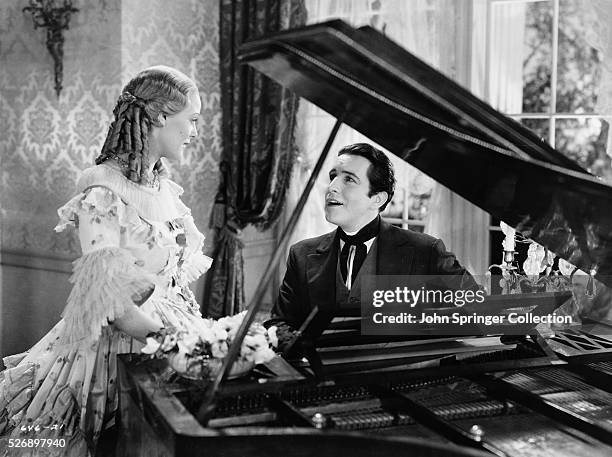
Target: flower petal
x=151, y=347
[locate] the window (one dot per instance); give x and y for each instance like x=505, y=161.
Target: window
x=543, y=68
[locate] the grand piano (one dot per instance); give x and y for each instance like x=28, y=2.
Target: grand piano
x=480, y=394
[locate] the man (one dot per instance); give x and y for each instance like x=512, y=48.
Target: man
x=325, y=271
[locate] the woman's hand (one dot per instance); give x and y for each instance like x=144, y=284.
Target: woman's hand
x=137, y=324
x=144, y=296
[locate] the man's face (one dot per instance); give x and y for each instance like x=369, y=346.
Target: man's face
x=347, y=204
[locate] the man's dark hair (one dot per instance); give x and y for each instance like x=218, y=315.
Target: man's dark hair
x=380, y=171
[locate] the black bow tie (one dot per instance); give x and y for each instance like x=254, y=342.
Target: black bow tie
x=358, y=240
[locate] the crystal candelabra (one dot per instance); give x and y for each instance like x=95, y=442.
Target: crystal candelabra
x=537, y=274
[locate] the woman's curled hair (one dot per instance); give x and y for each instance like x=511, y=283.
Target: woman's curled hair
x=154, y=92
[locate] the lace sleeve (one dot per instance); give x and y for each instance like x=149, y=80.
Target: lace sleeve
x=107, y=278
x=196, y=263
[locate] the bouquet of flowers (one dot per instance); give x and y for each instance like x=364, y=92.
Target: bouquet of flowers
x=199, y=352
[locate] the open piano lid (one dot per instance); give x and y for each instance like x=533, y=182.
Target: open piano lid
x=431, y=122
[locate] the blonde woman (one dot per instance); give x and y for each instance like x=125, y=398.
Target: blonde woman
x=140, y=249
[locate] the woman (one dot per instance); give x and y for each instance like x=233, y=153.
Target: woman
x=140, y=251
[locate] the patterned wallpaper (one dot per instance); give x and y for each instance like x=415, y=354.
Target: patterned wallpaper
x=184, y=35
x=45, y=141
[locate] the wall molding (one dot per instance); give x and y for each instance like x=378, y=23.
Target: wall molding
x=34, y=262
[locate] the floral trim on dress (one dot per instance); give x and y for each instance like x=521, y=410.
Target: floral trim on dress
x=102, y=203
x=68, y=378
x=99, y=203
x=115, y=272
x=163, y=204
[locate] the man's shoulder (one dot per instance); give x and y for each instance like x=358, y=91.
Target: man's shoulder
x=405, y=236
x=415, y=239
x=311, y=244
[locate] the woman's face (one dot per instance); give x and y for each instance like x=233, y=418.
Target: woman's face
x=179, y=129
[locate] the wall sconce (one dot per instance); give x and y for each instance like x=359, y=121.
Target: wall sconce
x=55, y=19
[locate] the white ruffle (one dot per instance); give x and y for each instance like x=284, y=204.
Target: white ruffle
x=195, y=239
x=104, y=284
x=158, y=205
x=11, y=361
x=16, y=391
x=67, y=213
x=97, y=202
x=195, y=266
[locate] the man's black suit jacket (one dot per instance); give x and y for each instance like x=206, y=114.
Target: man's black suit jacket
x=310, y=279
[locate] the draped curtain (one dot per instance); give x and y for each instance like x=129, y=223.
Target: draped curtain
x=258, y=150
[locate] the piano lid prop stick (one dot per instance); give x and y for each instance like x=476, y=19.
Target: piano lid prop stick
x=208, y=406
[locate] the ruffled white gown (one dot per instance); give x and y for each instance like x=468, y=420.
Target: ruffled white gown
x=131, y=237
